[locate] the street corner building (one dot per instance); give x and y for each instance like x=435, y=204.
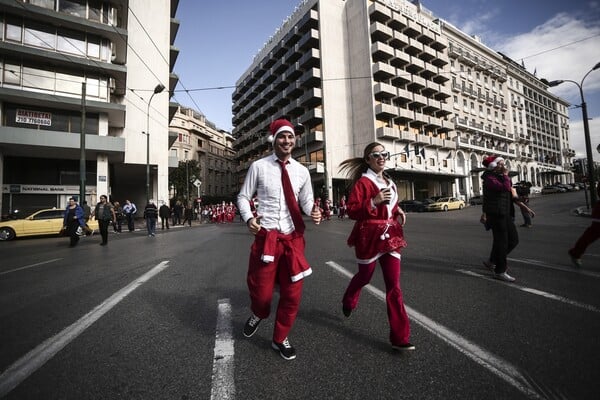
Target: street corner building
x=84, y=100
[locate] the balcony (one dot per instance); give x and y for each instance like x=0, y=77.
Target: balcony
x=385, y=132
x=380, y=32
x=379, y=12
x=385, y=110
x=381, y=51
x=383, y=90
x=383, y=71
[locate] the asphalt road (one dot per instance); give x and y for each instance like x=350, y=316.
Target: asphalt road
x=161, y=318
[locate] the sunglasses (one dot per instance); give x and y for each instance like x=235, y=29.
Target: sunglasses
x=380, y=154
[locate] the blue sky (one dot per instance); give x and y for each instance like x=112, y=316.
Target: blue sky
x=557, y=39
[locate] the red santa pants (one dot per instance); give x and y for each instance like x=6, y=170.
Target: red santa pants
x=590, y=235
x=390, y=266
x=261, y=280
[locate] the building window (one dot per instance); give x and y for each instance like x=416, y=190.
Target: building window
x=73, y=7
x=44, y=3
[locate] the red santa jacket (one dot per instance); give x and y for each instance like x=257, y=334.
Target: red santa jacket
x=376, y=230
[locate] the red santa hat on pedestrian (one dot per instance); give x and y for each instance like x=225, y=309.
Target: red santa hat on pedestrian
x=278, y=126
x=491, y=162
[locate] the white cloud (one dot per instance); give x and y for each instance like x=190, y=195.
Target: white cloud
x=565, y=47
x=577, y=138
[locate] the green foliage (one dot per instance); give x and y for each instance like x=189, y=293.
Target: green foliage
x=185, y=172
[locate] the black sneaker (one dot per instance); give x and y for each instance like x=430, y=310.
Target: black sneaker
x=403, y=347
x=251, y=325
x=286, y=351
x=347, y=311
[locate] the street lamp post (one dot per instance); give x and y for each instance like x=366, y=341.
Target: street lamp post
x=159, y=88
x=586, y=132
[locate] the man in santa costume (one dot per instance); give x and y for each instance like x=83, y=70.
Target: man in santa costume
x=277, y=254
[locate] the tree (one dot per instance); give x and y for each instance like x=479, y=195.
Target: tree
x=186, y=172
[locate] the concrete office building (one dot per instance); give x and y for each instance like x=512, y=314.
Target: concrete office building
x=123, y=51
x=199, y=139
x=358, y=71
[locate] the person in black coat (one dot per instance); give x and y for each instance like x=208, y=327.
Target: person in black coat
x=164, y=212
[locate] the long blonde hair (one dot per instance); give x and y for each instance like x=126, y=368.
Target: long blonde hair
x=353, y=168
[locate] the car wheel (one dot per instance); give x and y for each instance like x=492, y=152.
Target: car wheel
x=460, y=207
x=445, y=208
x=6, y=234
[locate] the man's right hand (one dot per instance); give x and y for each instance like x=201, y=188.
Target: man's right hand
x=254, y=224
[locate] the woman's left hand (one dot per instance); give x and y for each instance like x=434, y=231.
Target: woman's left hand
x=403, y=218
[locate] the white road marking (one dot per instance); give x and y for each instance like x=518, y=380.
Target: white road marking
x=578, y=271
x=31, y=266
x=499, y=367
x=223, y=384
x=565, y=300
x=37, y=357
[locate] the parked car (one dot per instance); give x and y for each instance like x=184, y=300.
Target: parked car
x=415, y=205
x=548, y=189
x=445, y=204
x=42, y=222
x=535, y=190
x=476, y=200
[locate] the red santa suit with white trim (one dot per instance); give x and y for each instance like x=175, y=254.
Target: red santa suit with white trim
x=277, y=254
x=377, y=235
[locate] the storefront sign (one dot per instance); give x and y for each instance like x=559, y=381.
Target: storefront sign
x=44, y=189
x=33, y=117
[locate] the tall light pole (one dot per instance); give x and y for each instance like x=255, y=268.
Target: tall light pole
x=586, y=132
x=159, y=88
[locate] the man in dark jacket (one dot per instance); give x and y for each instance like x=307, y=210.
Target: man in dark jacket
x=498, y=214
x=164, y=212
x=150, y=215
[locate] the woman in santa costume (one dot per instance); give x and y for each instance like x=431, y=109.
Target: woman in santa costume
x=377, y=235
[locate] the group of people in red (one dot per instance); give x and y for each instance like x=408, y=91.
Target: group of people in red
x=218, y=213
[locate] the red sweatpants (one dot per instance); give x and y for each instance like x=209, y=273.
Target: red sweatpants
x=261, y=280
x=390, y=266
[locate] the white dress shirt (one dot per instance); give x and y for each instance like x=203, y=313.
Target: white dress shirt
x=264, y=179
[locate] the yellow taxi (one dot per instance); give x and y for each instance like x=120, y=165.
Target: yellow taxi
x=445, y=204
x=42, y=222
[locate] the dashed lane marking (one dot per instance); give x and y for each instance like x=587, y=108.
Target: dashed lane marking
x=30, y=266
x=499, y=367
x=223, y=383
x=32, y=361
x=537, y=292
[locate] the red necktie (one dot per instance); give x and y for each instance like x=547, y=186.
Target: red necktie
x=290, y=199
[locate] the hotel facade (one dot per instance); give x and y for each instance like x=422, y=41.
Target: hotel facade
x=357, y=71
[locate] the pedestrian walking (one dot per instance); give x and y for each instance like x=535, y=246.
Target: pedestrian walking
x=377, y=235
x=590, y=235
x=188, y=215
x=118, y=217
x=498, y=215
x=129, y=209
x=105, y=215
x=87, y=214
x=165, y=213
x=150, y=215
x=74, y=222
x=523, y=191
x=277, y=254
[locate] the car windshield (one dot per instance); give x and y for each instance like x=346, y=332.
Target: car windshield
x=443, y=200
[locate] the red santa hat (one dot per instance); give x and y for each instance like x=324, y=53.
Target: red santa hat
x=278, y=126
x=491, y=162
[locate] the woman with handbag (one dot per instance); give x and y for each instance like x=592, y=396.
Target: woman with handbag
x=73, y=221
